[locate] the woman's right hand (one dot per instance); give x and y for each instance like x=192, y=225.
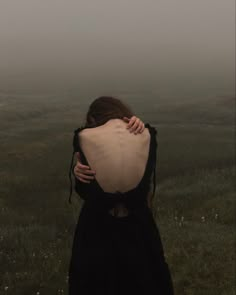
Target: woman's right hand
x=83, y=172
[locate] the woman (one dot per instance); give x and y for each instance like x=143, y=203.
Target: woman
x=117, y=247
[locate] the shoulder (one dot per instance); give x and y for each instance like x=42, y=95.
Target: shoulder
x=81, y=132
x=87, y=134
x=78, y=130
x=76, y=143
x=153, y=134
x=151, y=128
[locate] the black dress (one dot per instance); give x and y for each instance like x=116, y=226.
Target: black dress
x=117, y=255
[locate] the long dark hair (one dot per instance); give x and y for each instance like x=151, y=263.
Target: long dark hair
x=105, y=108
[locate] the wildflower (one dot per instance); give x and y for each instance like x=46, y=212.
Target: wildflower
x=203, y=219
x=6, y=288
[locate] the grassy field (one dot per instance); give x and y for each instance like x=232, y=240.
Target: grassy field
x=194, y=204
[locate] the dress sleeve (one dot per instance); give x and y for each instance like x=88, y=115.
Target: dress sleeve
x=154, y=142
x=79, y=186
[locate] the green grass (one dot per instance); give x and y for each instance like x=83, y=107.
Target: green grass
x=194, y=204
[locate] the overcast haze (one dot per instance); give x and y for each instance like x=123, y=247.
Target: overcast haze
x=162, y=40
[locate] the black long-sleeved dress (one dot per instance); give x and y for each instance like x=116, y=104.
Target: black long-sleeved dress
x=117, y=255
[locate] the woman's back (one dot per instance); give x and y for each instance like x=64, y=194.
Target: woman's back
x=111, y=147
x=113, y=253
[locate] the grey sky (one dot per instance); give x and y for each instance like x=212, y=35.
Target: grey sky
x=117, y=38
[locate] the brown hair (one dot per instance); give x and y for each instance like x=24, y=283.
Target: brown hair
x=105, y=108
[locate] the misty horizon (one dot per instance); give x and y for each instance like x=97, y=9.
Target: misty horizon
x=184, y=46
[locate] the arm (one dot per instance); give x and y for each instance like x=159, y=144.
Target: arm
x=80, y=186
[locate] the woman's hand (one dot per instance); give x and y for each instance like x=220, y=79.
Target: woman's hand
x=135, y=124
x=83, y=172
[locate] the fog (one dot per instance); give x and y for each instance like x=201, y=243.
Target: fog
x=171, y=44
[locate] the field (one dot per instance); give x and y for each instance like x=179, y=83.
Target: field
x=194, y=206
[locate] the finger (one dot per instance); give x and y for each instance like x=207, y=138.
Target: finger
x=86, y=181
x=139, y=127
x=126, y=119
x=88, y=172
x=84, y=176
x=134, y=127
x=138, y=130
x=81, y=166
x=143, y=128
x=84, y=170
x=132, y=120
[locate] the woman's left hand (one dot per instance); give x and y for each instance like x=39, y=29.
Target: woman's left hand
x=135, y=124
